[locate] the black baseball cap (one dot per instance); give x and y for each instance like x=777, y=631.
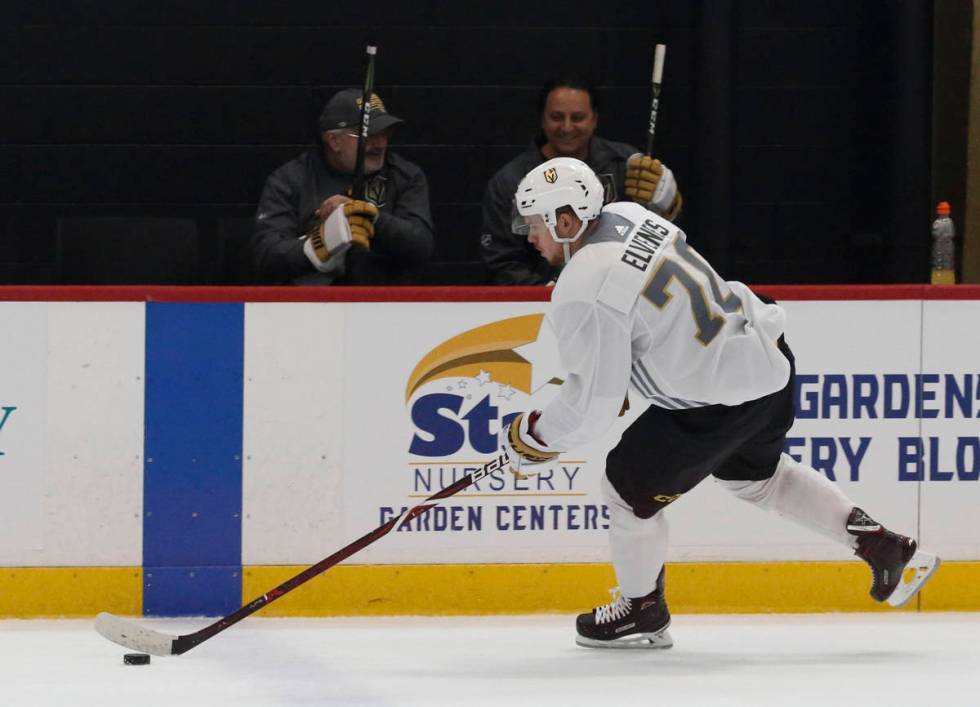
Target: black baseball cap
x=343, y=110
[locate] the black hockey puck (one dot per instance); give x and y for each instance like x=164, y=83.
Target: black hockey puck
x=136, y=659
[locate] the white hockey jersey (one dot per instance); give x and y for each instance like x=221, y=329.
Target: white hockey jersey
x=636, y=306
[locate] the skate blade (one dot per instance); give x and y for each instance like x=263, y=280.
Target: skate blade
x=924, y=565
x=661, y=639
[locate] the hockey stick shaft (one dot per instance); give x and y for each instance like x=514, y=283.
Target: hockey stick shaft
x=121, y=631
x=357, y=188
x=659, y=55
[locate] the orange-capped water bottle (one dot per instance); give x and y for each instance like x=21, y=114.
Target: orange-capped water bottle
x=943, y=253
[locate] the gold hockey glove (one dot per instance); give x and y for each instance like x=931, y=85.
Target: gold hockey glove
x=361, y=216
x=651, y=183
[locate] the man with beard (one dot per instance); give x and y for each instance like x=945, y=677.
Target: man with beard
x=380, y=239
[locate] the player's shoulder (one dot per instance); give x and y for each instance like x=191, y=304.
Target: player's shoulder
x=582, y=278
x=619, y=256
x=622, y=221
x=629, y=210
x=631, y=240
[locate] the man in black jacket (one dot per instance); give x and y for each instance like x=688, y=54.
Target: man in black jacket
x=569, y=115
x=390, y=232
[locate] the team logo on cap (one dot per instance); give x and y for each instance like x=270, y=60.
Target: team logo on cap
x=551, y=175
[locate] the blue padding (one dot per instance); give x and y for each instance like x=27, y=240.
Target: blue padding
x=191, y=591
x=192, y=469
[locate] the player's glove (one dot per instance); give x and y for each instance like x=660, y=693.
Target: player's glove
x=525, y=451
x=361, y=216
x=651, y=183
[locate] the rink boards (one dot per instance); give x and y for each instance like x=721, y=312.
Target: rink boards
x=173, y=452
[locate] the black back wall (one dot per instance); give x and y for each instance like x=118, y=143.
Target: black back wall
x=798, y=131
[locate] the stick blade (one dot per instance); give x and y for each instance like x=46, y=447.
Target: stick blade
x=131, y=635
x=921, y=567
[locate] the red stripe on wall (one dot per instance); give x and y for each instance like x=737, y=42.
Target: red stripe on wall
x=142, y=293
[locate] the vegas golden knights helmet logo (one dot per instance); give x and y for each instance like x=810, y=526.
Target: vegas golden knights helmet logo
x=551, y=175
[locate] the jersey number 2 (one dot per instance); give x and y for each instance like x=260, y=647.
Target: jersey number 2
x=708, y=324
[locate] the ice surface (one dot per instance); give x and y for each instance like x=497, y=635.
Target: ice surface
x=795, y=660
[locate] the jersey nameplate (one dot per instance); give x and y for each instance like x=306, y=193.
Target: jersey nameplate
x=627, y=276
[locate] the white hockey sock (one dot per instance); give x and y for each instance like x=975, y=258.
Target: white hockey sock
x=802, y=494
x=638, y=546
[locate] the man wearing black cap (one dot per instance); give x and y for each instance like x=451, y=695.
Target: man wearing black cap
x=379, y=240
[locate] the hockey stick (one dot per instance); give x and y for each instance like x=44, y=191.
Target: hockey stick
x=659, y=54
x=357, y=188
x=132, y=635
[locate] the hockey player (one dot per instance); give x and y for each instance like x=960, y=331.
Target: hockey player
x=636, y=306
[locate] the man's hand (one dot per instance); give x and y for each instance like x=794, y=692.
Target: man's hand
x=651, y=183
x=329, y=204
x=524, y=450
x=361, y=216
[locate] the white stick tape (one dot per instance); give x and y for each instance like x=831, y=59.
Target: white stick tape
x=658, y=62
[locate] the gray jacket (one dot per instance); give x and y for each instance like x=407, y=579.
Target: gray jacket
x=403, y=236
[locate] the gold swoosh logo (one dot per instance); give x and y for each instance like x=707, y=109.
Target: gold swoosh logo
x=489, y=347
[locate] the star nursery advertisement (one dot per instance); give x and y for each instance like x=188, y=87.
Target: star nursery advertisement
x=440, y=414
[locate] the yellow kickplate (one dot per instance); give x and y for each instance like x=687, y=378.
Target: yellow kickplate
x=954, y=587
x=34, y=592
x=718, y=587
x=364, y=590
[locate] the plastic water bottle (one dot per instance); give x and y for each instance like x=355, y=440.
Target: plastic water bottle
x=943, y=255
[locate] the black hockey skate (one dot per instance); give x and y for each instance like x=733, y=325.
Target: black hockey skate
x=889, y=555
x=627, y=622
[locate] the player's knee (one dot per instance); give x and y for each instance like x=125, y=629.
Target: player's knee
x=621, y=506
x=646, y=511
x=757, y=491
x=752, y=491
x=764, y=492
